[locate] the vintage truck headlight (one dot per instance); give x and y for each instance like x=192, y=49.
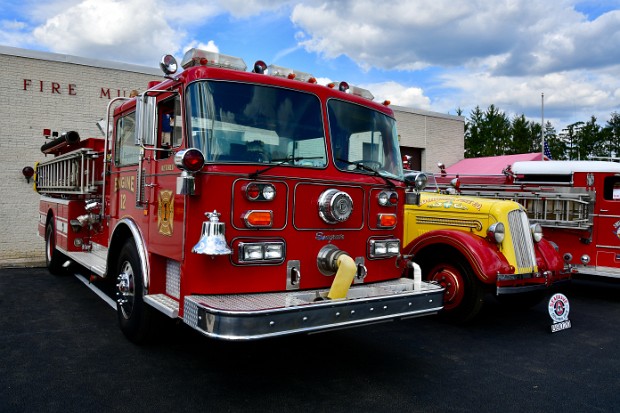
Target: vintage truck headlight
x=417, y=180
x=537, y=232
x=496, y=232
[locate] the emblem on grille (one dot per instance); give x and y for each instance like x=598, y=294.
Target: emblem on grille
x=335, y=206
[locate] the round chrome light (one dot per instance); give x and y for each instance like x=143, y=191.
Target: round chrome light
x=269, y=192
x=585, y=259
x=168, y=64
x=496, y=232
x=420, y=181
x=383, y=198
x=537, y=232
x=335, y=206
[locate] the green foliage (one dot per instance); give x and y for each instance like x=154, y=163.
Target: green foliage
x=491, y=133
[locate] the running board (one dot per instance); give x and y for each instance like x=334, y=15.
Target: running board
x=93, y=261
x=168, y=306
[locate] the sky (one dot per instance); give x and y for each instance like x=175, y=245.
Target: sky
x=435, y=55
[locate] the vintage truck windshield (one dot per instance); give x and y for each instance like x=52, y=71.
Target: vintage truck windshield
x=364, y=140
x=240, y=122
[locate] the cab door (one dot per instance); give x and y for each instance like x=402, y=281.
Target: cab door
x=123, y=178
x=607, y=220
x=165, y=207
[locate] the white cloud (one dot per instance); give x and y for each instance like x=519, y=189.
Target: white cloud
x=131, y=31
x=248, y=8
x=399, y=95
x=209, y=46
x=567, y=95
x=533, y=36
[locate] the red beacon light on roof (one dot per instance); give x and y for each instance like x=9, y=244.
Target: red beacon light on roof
x=285, y=72
x=198, y=57
x=354, y=90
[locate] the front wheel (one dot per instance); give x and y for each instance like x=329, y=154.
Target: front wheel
x=463, y=296
x=134, y=315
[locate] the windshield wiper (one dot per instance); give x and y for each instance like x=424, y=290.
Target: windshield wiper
x=281, y=161
x=360, y=165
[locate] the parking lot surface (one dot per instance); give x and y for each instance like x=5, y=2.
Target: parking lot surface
x=61, y=351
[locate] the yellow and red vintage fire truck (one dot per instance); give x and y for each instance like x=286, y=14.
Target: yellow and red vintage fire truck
x=247, y=204
x=576, y=202
x=472, y=246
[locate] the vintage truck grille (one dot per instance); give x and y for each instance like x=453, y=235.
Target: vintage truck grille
x=452, y=222
x=522, y=240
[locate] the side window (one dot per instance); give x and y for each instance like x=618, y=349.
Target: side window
x=169, y=121
x=177, y=131
x=611, y=189
x=127, y=153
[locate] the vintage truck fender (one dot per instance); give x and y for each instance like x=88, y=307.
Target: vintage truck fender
x=547, y=257
x=483, y=257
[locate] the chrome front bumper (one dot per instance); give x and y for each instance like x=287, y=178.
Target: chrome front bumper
x=524, y=283
x=256, y=316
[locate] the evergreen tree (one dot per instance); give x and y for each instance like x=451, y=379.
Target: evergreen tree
x=557, y=146
x=521, y=135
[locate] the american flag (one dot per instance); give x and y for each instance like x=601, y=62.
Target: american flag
x=547, y=150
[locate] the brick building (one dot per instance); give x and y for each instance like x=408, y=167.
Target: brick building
x=430, y=137
x=60, y=92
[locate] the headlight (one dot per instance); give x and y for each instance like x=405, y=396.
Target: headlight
x=384, y=248
x=496, y=232
x=420, y=181
x=256, y=252
x=537, y=232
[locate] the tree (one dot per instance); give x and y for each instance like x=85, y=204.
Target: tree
x=612, y=136
x=557, y=146
x=474, y=142
x=521, y=135
x=495, y=131
x=570, y=136
x=588, y=139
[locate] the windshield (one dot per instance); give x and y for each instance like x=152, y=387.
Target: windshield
x=363, y=139
x=238, y=122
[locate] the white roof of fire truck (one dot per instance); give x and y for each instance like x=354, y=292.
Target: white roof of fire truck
x=563, y=167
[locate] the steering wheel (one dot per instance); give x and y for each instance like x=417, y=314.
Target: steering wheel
x=365, y=162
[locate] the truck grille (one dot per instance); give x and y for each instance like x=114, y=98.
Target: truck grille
x=522, y=241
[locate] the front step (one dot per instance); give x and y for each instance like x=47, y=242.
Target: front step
x=168, y=306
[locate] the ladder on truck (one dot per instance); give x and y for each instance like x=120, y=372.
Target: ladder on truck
x=71, y=173
x=549, y=207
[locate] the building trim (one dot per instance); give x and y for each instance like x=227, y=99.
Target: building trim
x=76, y=60
x=426, y=113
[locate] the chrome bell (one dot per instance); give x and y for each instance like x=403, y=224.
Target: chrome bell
x=212, y=241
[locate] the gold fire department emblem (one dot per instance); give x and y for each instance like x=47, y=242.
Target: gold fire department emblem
x=165, y=213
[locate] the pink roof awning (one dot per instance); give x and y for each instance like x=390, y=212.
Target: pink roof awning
x=490, y=165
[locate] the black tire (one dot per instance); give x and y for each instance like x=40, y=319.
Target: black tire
x=464, y=294
x=135, y=317
x=54, y=259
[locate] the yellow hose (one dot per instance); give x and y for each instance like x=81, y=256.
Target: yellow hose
x=344, y=277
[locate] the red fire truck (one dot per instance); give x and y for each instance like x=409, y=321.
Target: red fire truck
x=577, y=203
x=246, y=204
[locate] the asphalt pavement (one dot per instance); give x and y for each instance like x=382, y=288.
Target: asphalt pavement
x=61, y=351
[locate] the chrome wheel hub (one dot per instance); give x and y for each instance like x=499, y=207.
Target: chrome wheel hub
x=125, y=290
